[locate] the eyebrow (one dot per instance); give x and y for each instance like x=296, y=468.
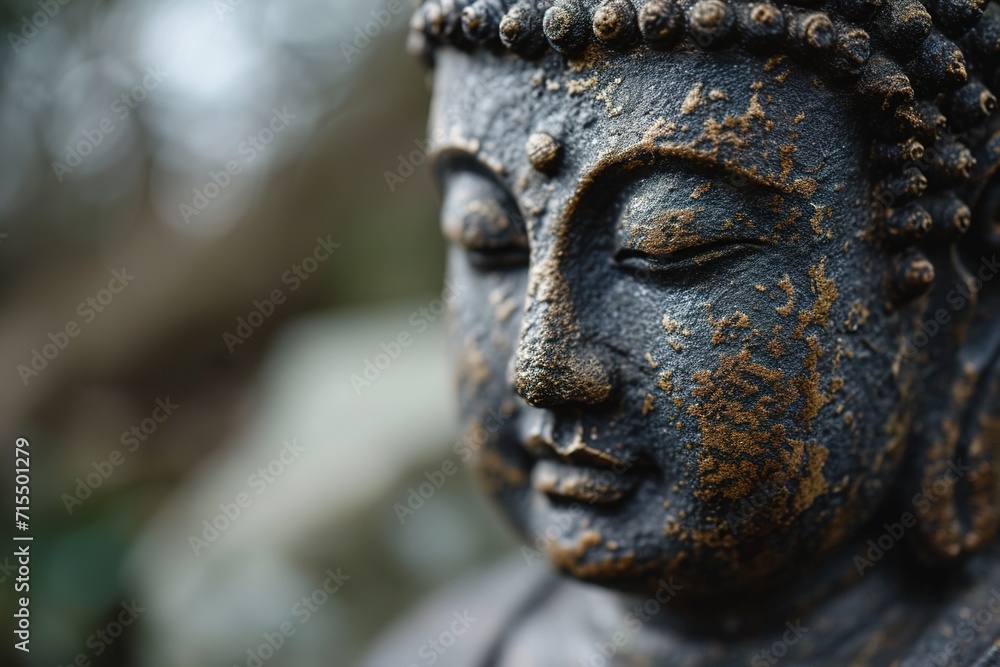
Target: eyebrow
x=638, y=156
x=450, y=150
x=646, y=154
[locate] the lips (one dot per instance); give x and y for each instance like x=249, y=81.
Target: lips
x=568, y=481
x=571, y=469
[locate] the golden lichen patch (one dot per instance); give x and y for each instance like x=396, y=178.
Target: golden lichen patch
x=671, y=527
x=809, y=385
x=754, y=110
x=669, y=231
x=666, y=383
x=857, y=317
x=738, y=406
x=693, y=100
x=605, y=96
x=737, y=320
x=785, y=158
x=744, y=447
x=773, y=62
x=701, y=189
x=591, y=58
x=649, y=360
x=820, y=214
x=789, y=220
x=578, y=86
x=734, y=130
x=806, y=187
x=569, y=559
x=785, y=285
x=661, y=129
x=826, y=295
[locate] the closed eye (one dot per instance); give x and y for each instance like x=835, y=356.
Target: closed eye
x=687, y=259
x=498, y=259
x=481, y=217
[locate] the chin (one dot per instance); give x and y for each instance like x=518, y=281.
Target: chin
x=622, y=546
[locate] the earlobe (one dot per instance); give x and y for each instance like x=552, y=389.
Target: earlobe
x=952, y=477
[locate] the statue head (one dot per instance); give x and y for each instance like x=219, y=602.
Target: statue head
x=728, y=275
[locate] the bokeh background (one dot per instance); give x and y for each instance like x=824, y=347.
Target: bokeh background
x=114, y=116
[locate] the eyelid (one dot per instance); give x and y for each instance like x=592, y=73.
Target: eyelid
x=700, y=248
x=689, y=245
x=688, y=261
x=484, y=216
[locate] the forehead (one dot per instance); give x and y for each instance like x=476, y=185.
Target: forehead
x=745, y=117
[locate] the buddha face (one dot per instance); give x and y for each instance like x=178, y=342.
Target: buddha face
x=672, y=331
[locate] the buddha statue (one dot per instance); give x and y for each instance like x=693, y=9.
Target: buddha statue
x=729, y=330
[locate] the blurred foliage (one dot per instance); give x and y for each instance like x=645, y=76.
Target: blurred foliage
x=228, y=70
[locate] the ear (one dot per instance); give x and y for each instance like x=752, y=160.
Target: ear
x=951, y=480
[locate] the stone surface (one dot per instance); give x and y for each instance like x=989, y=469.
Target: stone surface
x=735, y=356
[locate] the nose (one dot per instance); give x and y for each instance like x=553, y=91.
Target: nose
x=554, y=365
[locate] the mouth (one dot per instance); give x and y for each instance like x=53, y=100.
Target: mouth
x=577, y=471
x=566, y=481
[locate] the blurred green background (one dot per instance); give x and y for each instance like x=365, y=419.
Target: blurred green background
x=209, y=148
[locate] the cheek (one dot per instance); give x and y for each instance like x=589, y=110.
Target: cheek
x=775, y=398
x=485, y=319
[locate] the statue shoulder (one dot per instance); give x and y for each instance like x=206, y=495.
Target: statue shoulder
x=968, y=630
x=462, y=624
